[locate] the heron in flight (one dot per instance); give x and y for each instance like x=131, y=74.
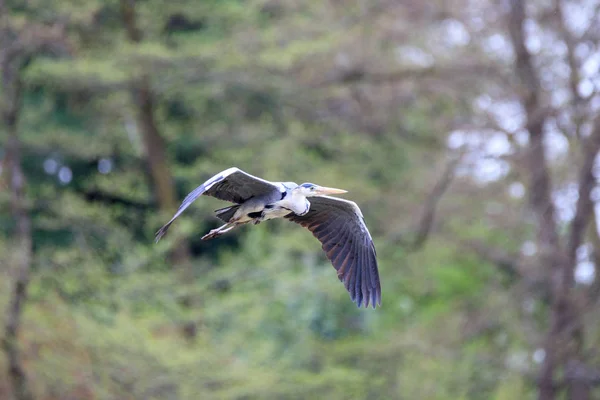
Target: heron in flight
x=338, y=224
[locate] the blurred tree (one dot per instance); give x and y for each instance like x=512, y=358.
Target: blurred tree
x=19, y=44
x=11, y=86
x=426, y=112
x=154, y=145
x=564, y=347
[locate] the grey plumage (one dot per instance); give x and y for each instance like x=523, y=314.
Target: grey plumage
x=232, y=185
x=337, y=223
x=339, y=226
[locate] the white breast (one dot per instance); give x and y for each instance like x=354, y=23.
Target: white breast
x=296, y=203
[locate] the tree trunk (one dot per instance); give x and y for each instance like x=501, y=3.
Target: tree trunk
x=156, y=158
x=22, y=251
x=154, y=145
x=539, y=192
x=564, y=340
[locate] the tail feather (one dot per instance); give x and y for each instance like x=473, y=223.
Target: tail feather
x=225, y=214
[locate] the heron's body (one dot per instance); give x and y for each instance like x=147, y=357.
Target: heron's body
x=273, y=205
x=337, y=223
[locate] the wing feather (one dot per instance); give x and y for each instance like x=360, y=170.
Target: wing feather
x=232, y=185
x=364, y=286
x=339, y=225
x=348, y=262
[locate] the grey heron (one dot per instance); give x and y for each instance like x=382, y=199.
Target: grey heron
x=337, y=223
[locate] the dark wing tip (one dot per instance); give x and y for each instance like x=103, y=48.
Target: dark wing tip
x=363, y=287
x=375, y=301
x=375, y=298
x=367, y=290
x=372, y=297
x=161, y=232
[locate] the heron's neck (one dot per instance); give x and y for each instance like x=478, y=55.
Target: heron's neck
x=298, y=203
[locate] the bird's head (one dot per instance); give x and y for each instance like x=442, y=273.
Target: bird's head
x=310, y=189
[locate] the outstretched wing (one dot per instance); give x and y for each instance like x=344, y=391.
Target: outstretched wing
x=232, y=185
x=340, y=227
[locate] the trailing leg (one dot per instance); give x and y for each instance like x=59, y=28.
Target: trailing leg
x=223, y=229
x=219, y=231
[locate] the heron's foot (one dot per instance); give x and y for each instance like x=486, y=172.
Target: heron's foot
x=212, y=234
x=219, y=231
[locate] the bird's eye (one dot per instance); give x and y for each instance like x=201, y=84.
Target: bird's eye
x=312, y=188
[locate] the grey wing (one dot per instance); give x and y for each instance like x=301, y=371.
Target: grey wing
x=232, y=185
x=340, y=227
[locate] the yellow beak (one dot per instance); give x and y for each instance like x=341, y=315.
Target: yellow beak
x=328, y=190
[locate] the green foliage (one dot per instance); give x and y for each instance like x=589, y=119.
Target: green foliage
x=107, y=315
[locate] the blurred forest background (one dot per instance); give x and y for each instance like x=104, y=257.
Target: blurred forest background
x=466, y=130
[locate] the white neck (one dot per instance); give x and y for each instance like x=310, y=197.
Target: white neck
x=297, y=202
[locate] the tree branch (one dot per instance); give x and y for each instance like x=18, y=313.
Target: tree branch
x=431, y=204
x=359, y=75
x=567, y=38
x=574, y=77
x=507, y=263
